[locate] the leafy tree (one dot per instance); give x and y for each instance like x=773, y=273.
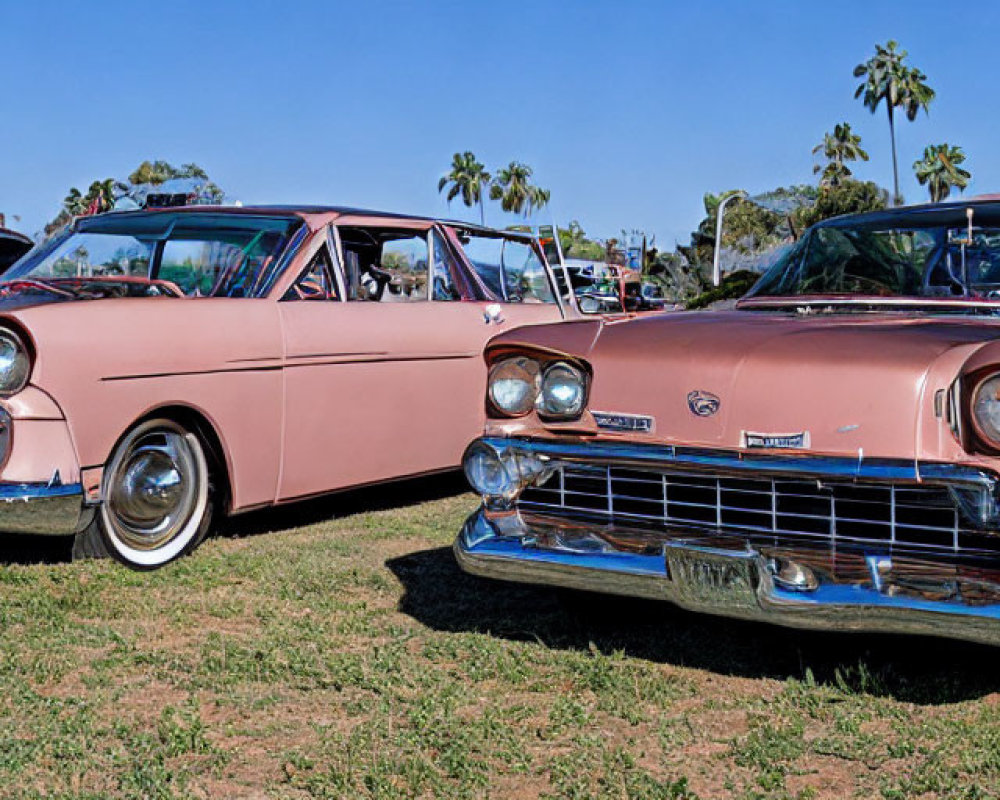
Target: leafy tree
x=733, y=286
x=73, y=203
x=887, y=78
x=102, y=195
x=513, y=188
x=849, y=197
x=155, y=173
x=837, y=148
x=939, y=170
x=469, y=178
x=575, y=244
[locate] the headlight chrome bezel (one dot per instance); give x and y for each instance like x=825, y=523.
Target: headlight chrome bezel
x=986, y=436
x=22, y=362
x=537, y=367
x=533, y=378
x=542, y=403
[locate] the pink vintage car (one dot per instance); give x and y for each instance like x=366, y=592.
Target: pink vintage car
x=159, y=367
x=824, y=456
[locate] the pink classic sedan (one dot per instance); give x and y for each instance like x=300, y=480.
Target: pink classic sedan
x=159, y=367
x=827, y=455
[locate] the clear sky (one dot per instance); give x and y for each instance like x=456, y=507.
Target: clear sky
x=627, y=111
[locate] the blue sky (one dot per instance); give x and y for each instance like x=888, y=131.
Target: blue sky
x=628, y=112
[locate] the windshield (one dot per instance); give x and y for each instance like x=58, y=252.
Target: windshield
x=939, y=261
x=204, y=255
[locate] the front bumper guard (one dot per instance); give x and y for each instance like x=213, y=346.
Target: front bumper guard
x=726, y=576
x=41, y=508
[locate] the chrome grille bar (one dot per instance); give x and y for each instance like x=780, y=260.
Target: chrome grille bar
x=917, y=516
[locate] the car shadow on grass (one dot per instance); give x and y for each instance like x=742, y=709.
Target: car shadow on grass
x=25, y=549
x=378, y=497
x=913, y=669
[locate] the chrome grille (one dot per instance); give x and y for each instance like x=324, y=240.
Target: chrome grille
x=891, y=515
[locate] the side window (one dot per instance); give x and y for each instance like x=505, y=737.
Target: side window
x=401, y=274
x=525, y=275
x=444, y=269
x=316, y=283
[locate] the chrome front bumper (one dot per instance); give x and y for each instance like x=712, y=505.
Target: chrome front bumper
x=730, y=576
x=41, y=508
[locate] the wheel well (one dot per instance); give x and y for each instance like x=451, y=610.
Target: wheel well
x=199, y=424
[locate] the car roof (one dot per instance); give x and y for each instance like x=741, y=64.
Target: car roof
x=320, y=214
x=986, y=210
x=7, y=233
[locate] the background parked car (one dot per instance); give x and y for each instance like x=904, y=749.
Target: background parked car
x=157, y=367
x=13, y=245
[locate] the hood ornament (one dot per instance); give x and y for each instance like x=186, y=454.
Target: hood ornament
x=702, y=403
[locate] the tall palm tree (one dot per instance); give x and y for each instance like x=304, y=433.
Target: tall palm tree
x=513, y=188
x=840, y=146
x=939, y=170
x=469, y=178
x=887, y=78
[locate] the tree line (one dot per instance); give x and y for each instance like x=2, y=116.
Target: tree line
x=888, y=81
x=511, y=185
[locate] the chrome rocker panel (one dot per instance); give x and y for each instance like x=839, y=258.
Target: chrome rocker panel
x=698, y=574
x=41, y=508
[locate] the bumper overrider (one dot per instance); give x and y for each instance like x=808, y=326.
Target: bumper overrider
x=901, y=570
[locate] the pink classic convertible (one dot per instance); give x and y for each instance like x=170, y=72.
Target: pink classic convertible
x=827, y=455
x=159, y=367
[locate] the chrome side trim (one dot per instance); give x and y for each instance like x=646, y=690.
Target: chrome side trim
x=41, y=508
x=734, y=578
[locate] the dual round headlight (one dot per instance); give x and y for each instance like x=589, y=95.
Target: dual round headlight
x=519, y=384
x=986, y=409
x=514, y=385
x=15, y=363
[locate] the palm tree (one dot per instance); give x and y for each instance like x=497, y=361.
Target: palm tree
x=888, y=78
x=75, y=203
x=469, y=178
x=939, y=170
x=513, y=188
x=840, y=146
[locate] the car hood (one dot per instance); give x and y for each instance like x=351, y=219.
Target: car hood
x=852, y=384
x=857, y=385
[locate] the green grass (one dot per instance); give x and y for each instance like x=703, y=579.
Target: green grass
x=324, y=651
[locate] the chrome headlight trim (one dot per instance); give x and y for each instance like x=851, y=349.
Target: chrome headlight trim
x=563, y=394
x=985, y=409
x=513, y=385
x=500, y=474
x=15, y=363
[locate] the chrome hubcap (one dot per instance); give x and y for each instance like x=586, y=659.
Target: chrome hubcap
x=153, y=489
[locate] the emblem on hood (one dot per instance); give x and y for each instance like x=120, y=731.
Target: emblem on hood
x=703, y=404
x=775, y=441
x=617, y=421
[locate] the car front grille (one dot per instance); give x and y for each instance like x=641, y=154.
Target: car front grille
x=888, y=515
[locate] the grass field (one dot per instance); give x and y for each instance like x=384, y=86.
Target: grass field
x=332, y=651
